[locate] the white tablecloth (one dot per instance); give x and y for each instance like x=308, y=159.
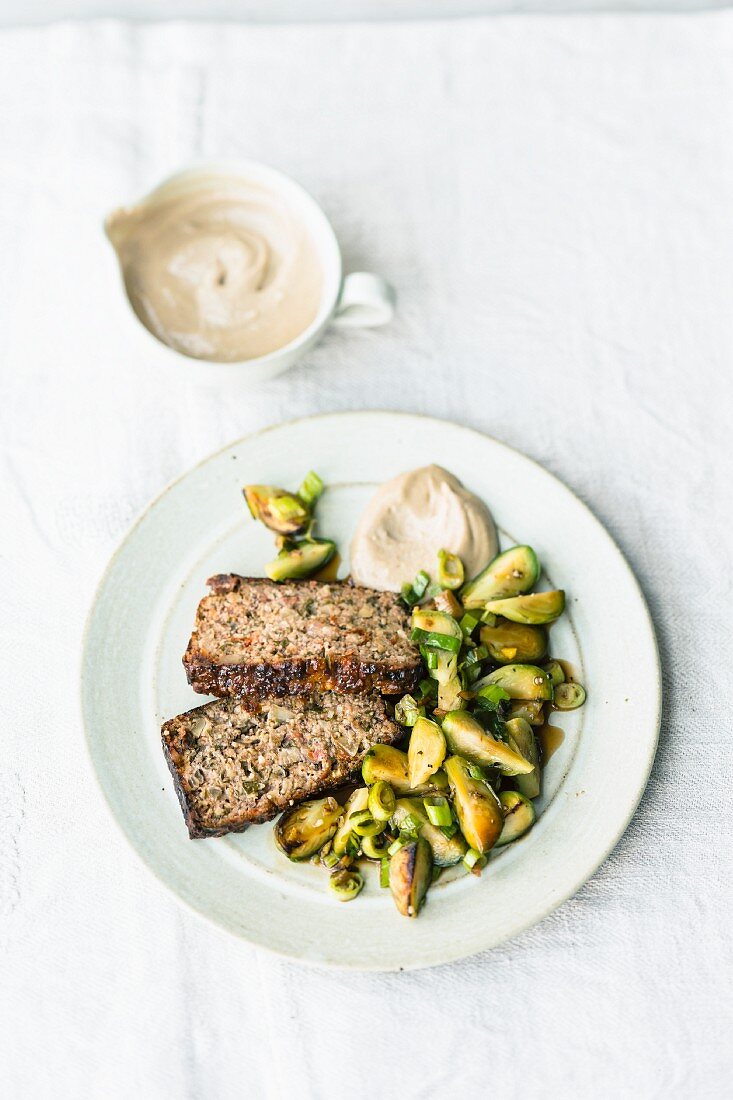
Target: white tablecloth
x=552, y=199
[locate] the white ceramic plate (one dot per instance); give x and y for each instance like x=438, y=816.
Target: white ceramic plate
x=133, y=679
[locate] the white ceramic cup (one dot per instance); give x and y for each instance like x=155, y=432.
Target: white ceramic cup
x=357, y=300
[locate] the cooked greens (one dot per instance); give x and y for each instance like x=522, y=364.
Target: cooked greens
x=462, y=779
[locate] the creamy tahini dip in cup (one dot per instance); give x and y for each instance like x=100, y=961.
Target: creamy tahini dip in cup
x=222, y=269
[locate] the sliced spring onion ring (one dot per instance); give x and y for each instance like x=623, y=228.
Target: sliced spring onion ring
x=450, y=570
x=381, y=802
x=397, y=844
x=376, y=847
x=364, y=824
x=346, y=884
x=384, y=874
x=438, y=810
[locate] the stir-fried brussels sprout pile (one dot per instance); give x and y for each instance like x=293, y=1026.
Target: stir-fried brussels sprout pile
x=472, y=764
x=291, y=517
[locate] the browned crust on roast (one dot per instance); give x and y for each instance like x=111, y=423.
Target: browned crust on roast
x=297, y=677
x=174, y=733
x=348, y=673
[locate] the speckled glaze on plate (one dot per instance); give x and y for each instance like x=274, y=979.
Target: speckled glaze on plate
x=132, y=679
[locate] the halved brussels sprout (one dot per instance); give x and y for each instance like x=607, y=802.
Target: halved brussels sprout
x=426, y=751
x=534, y=609
x=521, y=735
x=467, y=738
x=283, y=512
x=569, y=696
x=356, y=801
x=389, y=764
x=436, y=628
x=519, y=816
x=520, y=681
x=509, y=642
x=510, y=574
x=477, y=807
x=410, y=875
x=446, y=850
x=302, y=831
x=532, y=710
x=301, y=560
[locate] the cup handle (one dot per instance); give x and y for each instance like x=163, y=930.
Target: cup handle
x=365, y=301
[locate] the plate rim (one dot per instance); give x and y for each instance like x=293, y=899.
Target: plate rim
x=337, y=964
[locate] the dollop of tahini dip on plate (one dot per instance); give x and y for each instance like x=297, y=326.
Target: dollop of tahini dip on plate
x=218, y=268
x=413, y=516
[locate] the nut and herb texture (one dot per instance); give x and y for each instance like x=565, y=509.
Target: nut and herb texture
x=472, y=766
x=258, y=638
x=236, y=762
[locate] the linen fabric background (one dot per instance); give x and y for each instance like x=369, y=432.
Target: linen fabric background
x=551, y=196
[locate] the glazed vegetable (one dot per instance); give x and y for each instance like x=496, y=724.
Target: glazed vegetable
x=446, y=601
x=520, y=681
x=447, y=850
x=381, y=802
x=301, y=559
x=467, y=739
x=410, y=875
x=407, y=711
x=426, y=752
x=388, y=764
x=510, y=574
x=509, y=642
x=346, y=884
x=310, y=489
x=436, y=628
x=532, y=710
x=522, y=738
x=477, y=807
x=450, y=570
x=363, y=824
x=413, y=593
x=519, y=816
x=534, y=609
x=375, y=847
x=445, y=672
x=283, y=512
x=303, y=831
x=438, y=810
x=554, y=670
x=569, y=696
x=357, y=801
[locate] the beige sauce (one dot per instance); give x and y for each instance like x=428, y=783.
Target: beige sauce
x=218, y=270
x=411, y=518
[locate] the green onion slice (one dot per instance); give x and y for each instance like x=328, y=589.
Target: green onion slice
x=381, y=802
x=468, y=624
x=310, y=489
x=474, y=860
x=384, y=874
x=491, y=696
x=346, y=884
x=439, y=641
x=438, y=810
x=407, y=711
x=450, y=570
x=397, y=844
x=330, y=860
x=364, y=824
